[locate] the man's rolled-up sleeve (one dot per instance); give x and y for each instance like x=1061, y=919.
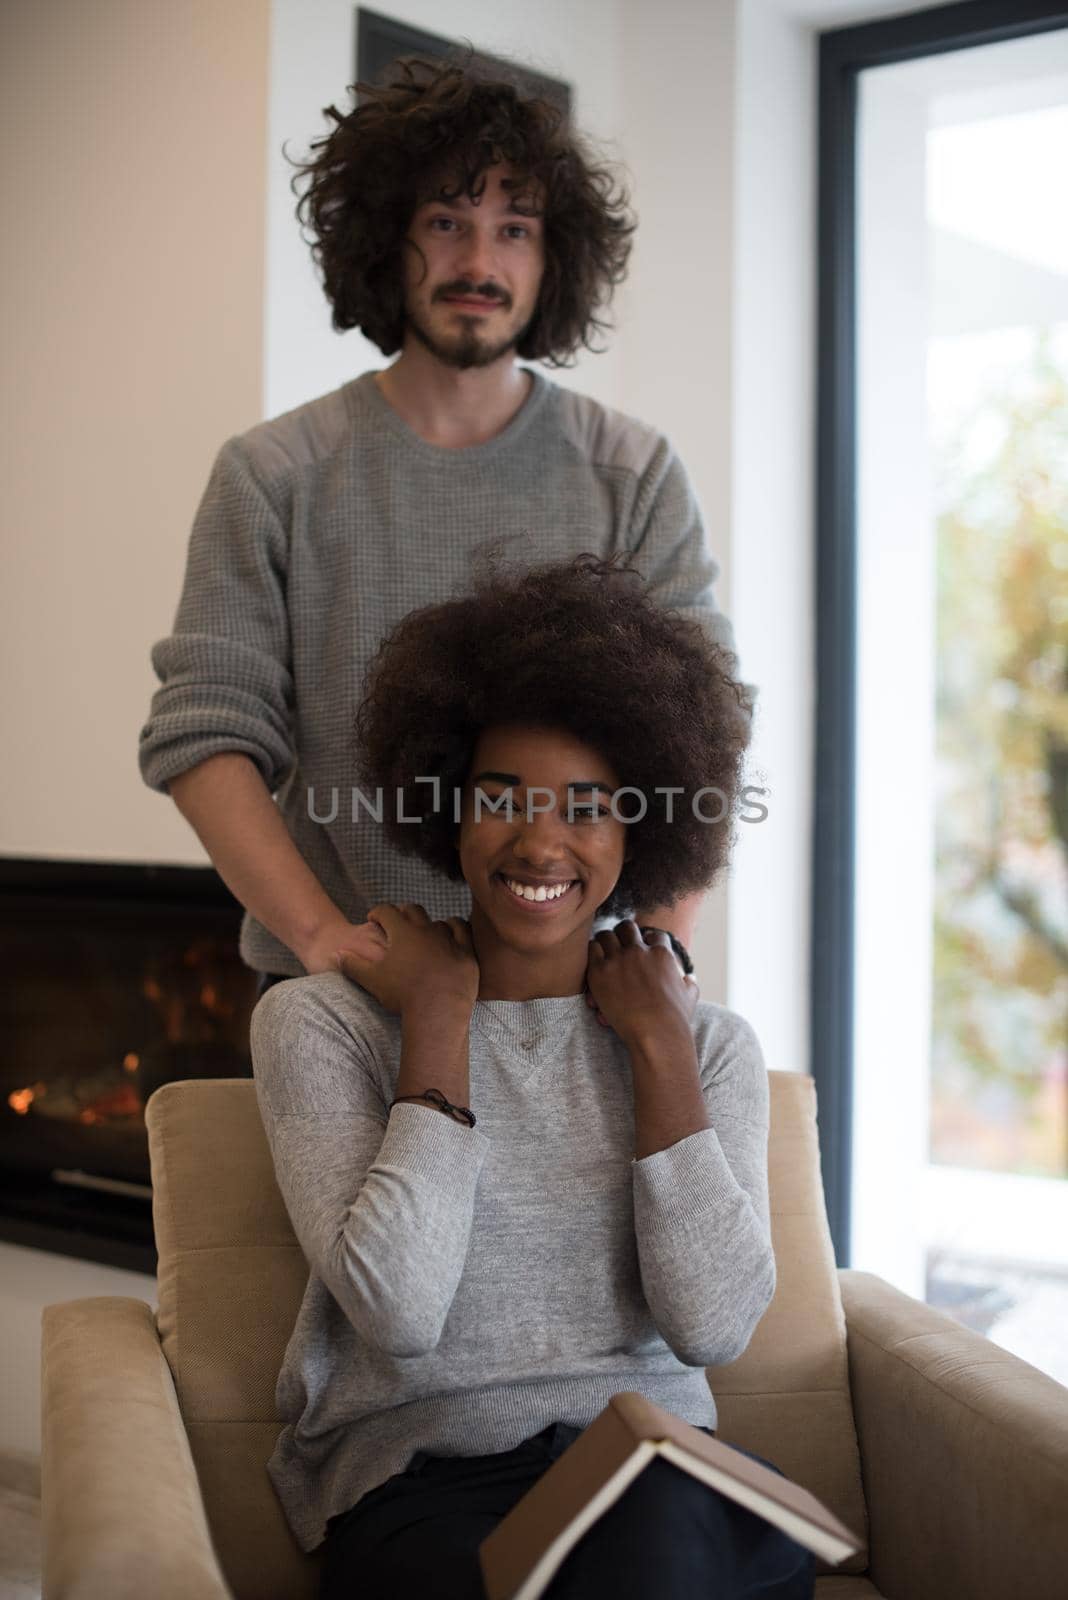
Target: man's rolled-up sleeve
x=225, y=672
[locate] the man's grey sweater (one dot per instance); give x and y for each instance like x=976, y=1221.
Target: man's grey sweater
x=468, y=1286
x=319, y=530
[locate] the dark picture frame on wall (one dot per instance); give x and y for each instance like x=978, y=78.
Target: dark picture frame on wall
x=381, y=39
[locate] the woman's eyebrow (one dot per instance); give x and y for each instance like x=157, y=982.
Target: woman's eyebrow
x=513, y=778
x=497, y=777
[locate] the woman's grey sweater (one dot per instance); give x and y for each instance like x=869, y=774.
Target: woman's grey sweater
x=470, y=1285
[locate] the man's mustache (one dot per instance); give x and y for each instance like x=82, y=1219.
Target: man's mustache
x=463, y=286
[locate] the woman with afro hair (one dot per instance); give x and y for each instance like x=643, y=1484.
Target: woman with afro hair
x=526, y=1164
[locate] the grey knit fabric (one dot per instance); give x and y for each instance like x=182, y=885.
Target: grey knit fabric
x=468, y=1286
x=319, y=530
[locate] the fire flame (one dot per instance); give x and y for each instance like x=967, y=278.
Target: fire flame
x=21, y=1099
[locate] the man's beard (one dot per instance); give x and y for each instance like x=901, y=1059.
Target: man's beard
x=468, y=348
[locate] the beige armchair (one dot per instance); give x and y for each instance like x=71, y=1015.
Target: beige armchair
x=950, y=1455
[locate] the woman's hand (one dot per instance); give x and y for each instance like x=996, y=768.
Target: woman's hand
x=414, y=961
x=637, y=984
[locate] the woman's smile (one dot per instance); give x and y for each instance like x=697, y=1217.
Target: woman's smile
x=539, y=896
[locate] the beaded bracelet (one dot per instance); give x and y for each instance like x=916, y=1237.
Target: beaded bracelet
x=434, y=1097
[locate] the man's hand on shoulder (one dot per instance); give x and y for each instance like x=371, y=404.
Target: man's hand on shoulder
x=366, y=940
x=637, y=986
x=414, y=963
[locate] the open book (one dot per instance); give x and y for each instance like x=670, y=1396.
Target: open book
x=522, y=1554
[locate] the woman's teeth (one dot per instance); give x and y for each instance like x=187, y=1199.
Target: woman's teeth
x=525, y=891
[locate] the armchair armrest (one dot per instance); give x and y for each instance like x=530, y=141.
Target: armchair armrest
x=122, y=1515
x=964, y=1454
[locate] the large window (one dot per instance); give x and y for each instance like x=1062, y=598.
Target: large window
x=942, y=800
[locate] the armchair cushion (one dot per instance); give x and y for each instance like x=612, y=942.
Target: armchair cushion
x=231, y=1279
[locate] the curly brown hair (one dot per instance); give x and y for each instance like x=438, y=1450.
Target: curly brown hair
x=433, y=130
x=578, y=646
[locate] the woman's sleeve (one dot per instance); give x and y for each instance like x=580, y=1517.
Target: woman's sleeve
x=701, y=1206
x=381, y=1201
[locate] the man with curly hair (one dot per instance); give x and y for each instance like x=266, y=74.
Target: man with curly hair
x=513, y=1209
x=464, y=225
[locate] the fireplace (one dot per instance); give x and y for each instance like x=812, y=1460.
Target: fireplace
x=117, y=979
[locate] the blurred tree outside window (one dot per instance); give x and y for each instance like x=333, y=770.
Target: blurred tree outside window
x=999, y=1062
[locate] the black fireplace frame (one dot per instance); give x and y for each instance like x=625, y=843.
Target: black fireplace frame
x=114, y=1229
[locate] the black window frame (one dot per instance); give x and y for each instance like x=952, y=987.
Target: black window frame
x=843, y=54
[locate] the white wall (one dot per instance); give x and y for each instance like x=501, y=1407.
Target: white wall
x=132, y=156
x=772, y=598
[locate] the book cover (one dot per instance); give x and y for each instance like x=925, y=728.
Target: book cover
x=523, y=1553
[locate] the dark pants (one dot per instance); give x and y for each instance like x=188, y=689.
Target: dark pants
x=668, y=1536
